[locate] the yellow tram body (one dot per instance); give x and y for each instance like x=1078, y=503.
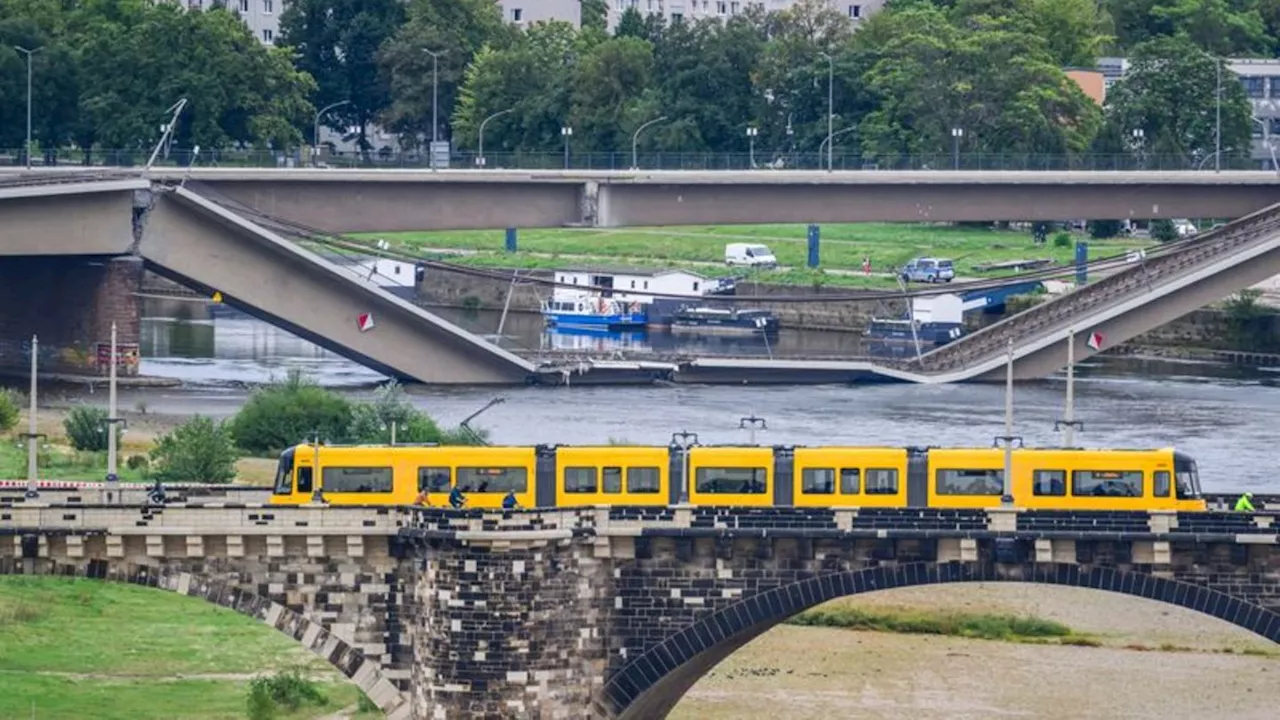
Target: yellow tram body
x=743, y=476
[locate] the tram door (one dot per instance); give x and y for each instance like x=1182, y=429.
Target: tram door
x=917, y=477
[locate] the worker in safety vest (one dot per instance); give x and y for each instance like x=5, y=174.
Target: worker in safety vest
x=1245, y=504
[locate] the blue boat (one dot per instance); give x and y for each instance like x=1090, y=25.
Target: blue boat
x=588, y=311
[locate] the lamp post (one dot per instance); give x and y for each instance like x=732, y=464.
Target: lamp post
x=1217, y=125
x=566, y=132
x=435, y=87
x=480, y=159
x=28, y=53
x=833, y=137
x=1139, y=136
x=315, y=138
x=956, y=134
x=635, y=137
x=751, y=138
x=831, y=110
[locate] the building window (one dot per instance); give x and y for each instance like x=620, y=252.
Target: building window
x=1099, y=483
x=855, y=11
x=517, y=14
x=244, y=6
x=633, y=284
x=267, y=35
x=1274, y=124
x=268, y=6
x=695, y=287
x=646, y=284
x=720, y=9
x=970, y=482
x=1254, y=87
x=677, y=17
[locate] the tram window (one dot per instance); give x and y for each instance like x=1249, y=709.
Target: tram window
x=731, y=480
x=1106, y=483
x=642, y=479
x=1162, y=483
x=882, y=481
x=612, y=477
x=817, y=481
x=356, y=479
x=1049, y=482
x=304, y=479
x=434, y=479
x=493, y=479
x=284, y=474
x=849, y=480
x=580, y=480
x=970, y=482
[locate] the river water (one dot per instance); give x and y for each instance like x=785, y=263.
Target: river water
x=1226, y=417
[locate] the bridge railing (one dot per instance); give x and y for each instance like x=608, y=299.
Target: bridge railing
x=1077, y=306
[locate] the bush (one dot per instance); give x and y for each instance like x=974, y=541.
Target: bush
x=371, y=422
x=137, y=462
x=1163, y=231
x=86, y=428
x=286, y=413
x=1062, y=240
x=287, y=690
x=10, y=409
x=1103, y=229
x=199, y=450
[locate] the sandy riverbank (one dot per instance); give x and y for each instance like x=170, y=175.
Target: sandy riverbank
x=806, y=672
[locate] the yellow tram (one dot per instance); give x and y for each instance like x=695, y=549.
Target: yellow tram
x=751, y=476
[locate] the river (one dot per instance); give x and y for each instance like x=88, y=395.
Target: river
x=1225, y=417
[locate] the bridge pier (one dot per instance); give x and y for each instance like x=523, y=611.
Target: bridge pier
x=69, y=303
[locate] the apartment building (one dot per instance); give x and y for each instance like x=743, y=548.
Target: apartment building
x=857, y=10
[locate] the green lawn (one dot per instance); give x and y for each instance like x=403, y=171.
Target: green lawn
x=889, y=245
x=86, y=648
x=56, y=463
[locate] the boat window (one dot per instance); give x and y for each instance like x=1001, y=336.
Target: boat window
x=612, y=477
x=695, y=287
x=1049, y=482
x=970, y=482
x=304, y=479
x=284, y=473
x=580, y=480
x=731, y=480
x=882, y=481
x=1106, y=483
x=356, y=479
x=642, y=480
x=434, y=479
x=849, y=481
x=817, y=481
x=1162, y=483
x=492, y=479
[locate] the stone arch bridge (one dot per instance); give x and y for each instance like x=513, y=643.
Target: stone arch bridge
x=608, y=612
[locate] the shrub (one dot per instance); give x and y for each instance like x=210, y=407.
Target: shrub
x=10, y=409
x=1103, y=229
x=286, y=413
x=1163, y=231
x=86, y=428
x=199, y=450
x=137, y=462
x=1062, y=240
x=287, y=690
x=371, y=422
x=364, y=704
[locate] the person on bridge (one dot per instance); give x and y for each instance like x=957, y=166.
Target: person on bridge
x=509, y=502
x=456, y=498
x=1245, y=503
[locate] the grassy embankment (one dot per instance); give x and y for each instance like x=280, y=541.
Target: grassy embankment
x=698, y=248
x=58, y=460
x=83, y=648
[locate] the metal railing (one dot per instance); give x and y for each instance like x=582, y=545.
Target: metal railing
x=653, y=160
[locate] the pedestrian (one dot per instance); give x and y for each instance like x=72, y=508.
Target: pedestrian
x=1245, y=503
x=509, y=502
x=456, y=498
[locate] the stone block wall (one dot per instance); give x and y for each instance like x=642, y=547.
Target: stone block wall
x=69, y=303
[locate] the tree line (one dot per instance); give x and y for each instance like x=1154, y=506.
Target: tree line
x=920, y=77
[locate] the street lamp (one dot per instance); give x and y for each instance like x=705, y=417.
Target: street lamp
x=635, y=137
x=833, y=137
x=480, y=159
x=435, y=87
x=28, y=53
x=315, y=150
x=1138, y=136
x=566, y=132
x=831, y=111
x=751, y=138
x=956, y=134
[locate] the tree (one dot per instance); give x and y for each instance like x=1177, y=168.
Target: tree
x=998, y=83
x=594, y=14
x=1163, y=231
x=198, y=451
x=1221, y=27
x=612, y=93
x=453, y=29
x=1103, y=229
x=337, y=43
x=1169, y=92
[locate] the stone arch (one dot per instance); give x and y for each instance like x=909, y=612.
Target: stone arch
x=350, y=661
x=650, y=685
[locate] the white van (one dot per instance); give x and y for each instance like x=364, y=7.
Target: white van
x=749, y=255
